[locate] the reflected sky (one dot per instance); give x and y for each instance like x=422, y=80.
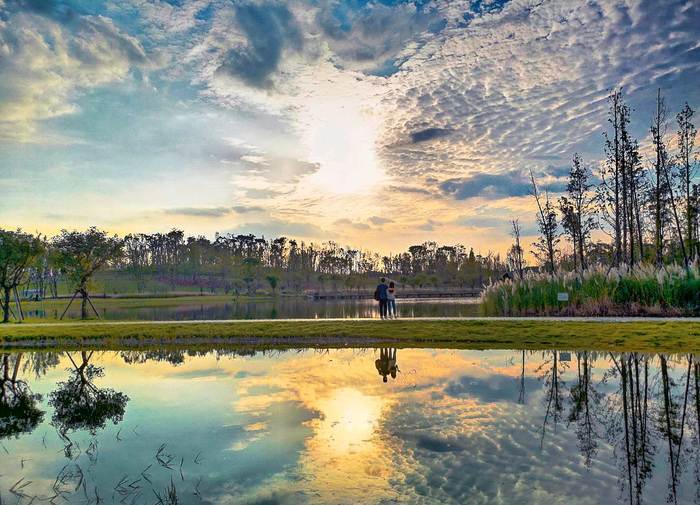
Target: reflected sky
x=321, y=426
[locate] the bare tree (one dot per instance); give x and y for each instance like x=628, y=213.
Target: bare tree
x=660, y=190
x=545, y=249
x=664, y=188
x=610, y=188
x=687, y=164
x=578, y=210
x=516, y=256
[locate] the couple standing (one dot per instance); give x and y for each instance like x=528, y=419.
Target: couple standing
x=385, y=294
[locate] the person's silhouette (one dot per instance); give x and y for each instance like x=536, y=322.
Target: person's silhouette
x=386, y=364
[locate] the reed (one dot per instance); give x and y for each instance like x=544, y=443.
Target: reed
x=598, y=291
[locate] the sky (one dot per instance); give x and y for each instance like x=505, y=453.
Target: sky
x=377, y=124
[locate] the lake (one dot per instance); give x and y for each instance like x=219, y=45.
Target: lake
x=281, y=308
x=348, y=426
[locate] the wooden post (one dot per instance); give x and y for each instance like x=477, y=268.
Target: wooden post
x=19, y=305
x=93, y=307
x=69, y=304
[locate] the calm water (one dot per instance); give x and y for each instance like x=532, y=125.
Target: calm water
x=323, y=427
x=283, y=308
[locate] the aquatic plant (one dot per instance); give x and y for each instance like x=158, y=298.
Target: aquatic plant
x=598, y=291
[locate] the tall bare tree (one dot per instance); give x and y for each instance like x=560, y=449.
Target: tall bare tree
x=545, y=249
x=661, y=187
x=610, y=188
x=516, y=255
x=687, y=170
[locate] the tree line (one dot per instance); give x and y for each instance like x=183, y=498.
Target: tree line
x=232, y=263
x=646, y=201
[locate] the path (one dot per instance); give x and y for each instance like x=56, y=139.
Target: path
x=379, y=321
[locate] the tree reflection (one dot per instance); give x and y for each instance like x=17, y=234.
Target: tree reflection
x=628, y=426
x=521, y=382
x=585, y=401
x=550, y=373
x=173, y=356
x=18, y=411
x=79, y=404
x=672, y=420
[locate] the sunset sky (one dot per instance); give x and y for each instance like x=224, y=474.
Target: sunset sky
x=376, y=124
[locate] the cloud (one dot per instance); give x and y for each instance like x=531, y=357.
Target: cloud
x=269, y=29
x=410, y=189
x=373, y=38
x=429, y=225
x=48, y=55
x=494, y=388
x=507, y=184
x=199, y=211
x=526, y=84
x=429, y=134
x=496, y=219
x=379, y=221
x=344, y=223
x=245, y=209
x=278, y=228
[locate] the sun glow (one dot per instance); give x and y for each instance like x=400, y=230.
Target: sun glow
x=349, y=420
x=340, y=134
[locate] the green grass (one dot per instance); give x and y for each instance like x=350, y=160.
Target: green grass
x=642, y=336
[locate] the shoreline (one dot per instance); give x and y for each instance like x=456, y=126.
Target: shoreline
x=674, y=335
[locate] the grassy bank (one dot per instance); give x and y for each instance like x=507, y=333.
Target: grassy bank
x=642, y=336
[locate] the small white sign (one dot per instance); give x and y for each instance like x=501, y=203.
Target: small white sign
x=563, y=297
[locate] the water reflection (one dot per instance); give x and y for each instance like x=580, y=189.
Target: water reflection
x=80, y=405
x=316, y=426
x=282, y=308
x=386, y=363
x=18, y=405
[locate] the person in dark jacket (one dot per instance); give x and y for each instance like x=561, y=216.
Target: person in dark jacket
x=381, y=295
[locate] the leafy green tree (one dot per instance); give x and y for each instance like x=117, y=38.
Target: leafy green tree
x=80, y=254
x=273, y=280
x=250, y=268
x=17, y=251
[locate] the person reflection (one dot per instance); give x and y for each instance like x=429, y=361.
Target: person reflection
x=386, y=364
x=18, y=410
